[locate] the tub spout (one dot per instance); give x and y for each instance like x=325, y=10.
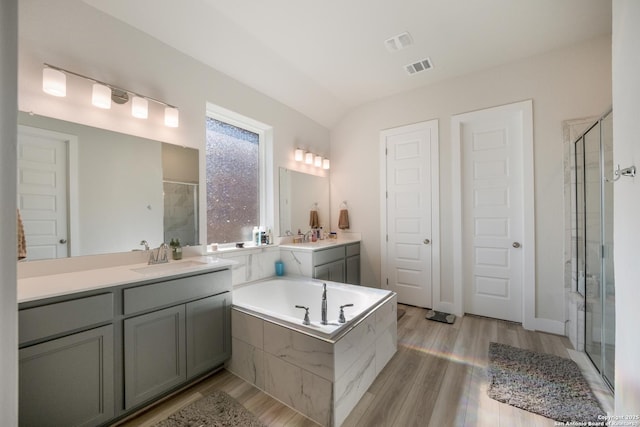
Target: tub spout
x=324, y=304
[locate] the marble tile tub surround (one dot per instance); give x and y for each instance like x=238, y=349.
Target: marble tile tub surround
x=320, y=378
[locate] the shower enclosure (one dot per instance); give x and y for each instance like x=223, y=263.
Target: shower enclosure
x=593, y=266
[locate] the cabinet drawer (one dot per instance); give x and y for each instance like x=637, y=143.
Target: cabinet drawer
x=328, y=255
x=353, y=249
x=52, y=319
x=162, y=294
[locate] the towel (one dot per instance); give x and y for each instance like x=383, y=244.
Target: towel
x=314, y=220
x=22, y=241
x=343, y=220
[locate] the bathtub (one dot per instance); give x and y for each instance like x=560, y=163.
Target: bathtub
x=319, y=370
x=275, y=299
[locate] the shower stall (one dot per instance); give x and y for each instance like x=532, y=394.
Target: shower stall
x=593, y=241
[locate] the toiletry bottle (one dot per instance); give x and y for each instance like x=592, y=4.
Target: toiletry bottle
x=255, y=236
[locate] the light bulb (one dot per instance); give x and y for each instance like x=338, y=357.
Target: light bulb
x=308, y=158
x=171, y=117
x=299, y=155
x=139, y=107
x=54, y=82
x=326, y=164
x=317, y=161
x=101, y=96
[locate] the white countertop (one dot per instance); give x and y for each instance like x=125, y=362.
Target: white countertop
x=318, y=245
x=36, y=288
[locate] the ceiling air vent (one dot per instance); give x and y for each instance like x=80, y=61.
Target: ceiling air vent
x=398, y=42
x=419, y=66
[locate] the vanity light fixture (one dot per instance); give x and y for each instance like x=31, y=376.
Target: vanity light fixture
x=54, y=83
x=310, y=158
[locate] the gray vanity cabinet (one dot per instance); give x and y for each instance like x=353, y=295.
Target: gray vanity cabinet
x=87, y=360
x=66, y=362
x=154, y=354
x=208, y=337
x=166, y=346
x=352, y=264
x=338, y=264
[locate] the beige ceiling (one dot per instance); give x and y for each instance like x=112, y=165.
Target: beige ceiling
x=324, y=58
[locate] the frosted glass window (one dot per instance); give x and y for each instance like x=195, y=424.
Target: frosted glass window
x=233, y=182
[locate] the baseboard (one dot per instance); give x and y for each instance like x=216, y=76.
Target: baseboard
x=549, y=326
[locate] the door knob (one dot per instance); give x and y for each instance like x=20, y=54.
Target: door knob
x=63, y=241
x=426, y=241
x=516, y=245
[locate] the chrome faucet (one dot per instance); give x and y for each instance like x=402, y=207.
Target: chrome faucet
x=145, y=244
x=324, y=304
x=307, y=236
x=161, y=254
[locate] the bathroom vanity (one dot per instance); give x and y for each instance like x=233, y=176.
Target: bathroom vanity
x=334, y=260
x=91, y=354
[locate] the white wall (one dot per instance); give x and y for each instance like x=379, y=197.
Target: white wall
x=626, y=151
x=564, y=84
x=77, y=37
x=8, y=131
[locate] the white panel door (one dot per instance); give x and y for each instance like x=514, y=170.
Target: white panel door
x=409, y=210
x=42, y=192
x=492, y=212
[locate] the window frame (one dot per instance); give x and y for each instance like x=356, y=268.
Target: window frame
x=265, y=162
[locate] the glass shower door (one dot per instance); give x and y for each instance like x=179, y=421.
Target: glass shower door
x=596, y=252
x=593, y=245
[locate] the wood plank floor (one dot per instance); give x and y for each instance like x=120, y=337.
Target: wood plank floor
x=437, y=378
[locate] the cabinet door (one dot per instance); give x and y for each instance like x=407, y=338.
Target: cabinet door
x=353, y=270
x=208, y=333
x=68, y=381
x=154, y=354
x=333, y=271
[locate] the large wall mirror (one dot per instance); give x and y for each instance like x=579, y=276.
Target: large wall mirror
x=299, y=194
x=87, y=191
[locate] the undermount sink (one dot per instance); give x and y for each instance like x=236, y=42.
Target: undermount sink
x=168, y=267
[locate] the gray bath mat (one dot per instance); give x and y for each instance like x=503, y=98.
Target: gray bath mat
x=544, y=384
x=441, y=316
x=217, y=409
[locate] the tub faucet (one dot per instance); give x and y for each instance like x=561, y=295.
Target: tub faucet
x=324, y=304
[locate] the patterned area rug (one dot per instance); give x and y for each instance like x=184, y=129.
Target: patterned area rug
x=544, y=384
x=216, y=409
x=441, y=316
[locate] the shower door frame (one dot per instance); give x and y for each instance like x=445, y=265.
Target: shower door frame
x=602, y=283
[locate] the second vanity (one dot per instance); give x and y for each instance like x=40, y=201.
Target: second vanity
x=99, y=344
x=334, y=260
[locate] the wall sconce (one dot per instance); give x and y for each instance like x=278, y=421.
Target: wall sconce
x=311, y=159
x=54, y=82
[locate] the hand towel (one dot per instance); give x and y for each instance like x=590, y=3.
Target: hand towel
x=22, y=241
x=343, y=220
x=314, y=220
